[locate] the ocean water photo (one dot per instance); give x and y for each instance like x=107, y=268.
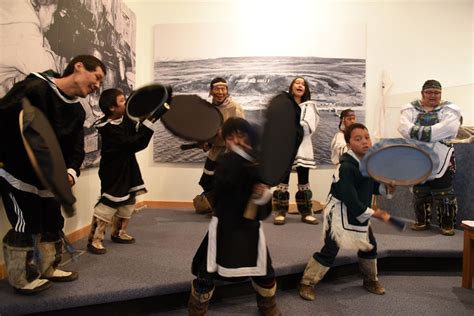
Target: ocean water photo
x=335, y=83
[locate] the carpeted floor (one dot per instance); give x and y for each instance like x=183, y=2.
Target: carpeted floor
x=159, y=263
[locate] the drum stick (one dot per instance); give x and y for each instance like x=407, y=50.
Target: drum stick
x=398, y=223
x=189, y=146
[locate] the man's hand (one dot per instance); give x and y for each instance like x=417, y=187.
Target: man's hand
x=70, y=179
x=205, y=146
x=382, y=215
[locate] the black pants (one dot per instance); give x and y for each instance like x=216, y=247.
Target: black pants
x=29, y=213
x=303, y=176
x=328, y=253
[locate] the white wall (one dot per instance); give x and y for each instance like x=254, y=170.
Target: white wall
x=412, y=41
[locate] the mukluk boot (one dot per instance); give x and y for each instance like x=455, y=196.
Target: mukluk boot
x=304, y=203
x=280, y=204
x=96, y=236
x=368, y=268
x=199, y=298
x=445, y=203
x=23, y=267
x=50, y=257
x=422, y=205
x=119, y=232
x=313, y=273
x=266, y=301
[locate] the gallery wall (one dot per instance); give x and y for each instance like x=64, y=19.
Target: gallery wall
x=410, y=41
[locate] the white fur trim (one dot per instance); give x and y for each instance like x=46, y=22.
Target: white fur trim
x=341, y=231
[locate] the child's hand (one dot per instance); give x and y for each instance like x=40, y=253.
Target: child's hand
x=258, y=190
x=70, y=179
x=390, y=188
x=382, y=215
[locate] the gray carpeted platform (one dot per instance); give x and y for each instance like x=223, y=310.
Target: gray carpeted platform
x=159, y=263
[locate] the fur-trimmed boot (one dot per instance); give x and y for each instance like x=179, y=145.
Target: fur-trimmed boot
x=266, y=301
x=368, y=268
x=96, y=236
x=119, y=231
x=50, y=257
x=280, y=204
x=313, y=273
x=445, y=203
x=422, y=204
x=204, y=203
x=23, y=270
x=198, y=303
x=304, y=203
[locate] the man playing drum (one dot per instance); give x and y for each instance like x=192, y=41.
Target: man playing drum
x=33, y=246
x=221, y=99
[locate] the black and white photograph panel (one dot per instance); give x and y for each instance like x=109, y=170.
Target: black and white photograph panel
x=58, y=30
x=258, y=70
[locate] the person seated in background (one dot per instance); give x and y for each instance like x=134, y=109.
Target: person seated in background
x=338, y=143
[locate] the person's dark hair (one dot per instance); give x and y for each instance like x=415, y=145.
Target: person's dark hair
x=345, y=113
x=90, y=63
x=237, y=124
x=39, y=3
x=307, y=93
x=348, y=131
x=431, y=84
x=108, y=99
x=216, y=80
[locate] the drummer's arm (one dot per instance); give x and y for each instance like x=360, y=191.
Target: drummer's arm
x=406, y=124
x=448, y=127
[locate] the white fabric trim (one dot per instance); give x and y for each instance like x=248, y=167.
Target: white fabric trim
x=20, y=223
x=242, y=153
x=116, y=121
x=149, y=124
x=213, y=266
x=73, y=174
x=53, y=86
x=208, y=172
x=266, y=196
x=23, y=186
x=116, y=199
x=366, y=215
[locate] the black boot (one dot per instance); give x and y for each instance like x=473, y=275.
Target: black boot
x=422, y=205
x=280, y=205
x=304, y=204
x=446, y=205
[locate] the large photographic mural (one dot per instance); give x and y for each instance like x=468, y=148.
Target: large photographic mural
x=336, y=83
x=38, y=35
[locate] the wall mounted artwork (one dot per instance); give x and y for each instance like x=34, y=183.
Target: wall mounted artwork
x=258, y=65
x=40, y=35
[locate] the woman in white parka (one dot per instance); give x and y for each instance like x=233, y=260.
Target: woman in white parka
x=308, y=117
